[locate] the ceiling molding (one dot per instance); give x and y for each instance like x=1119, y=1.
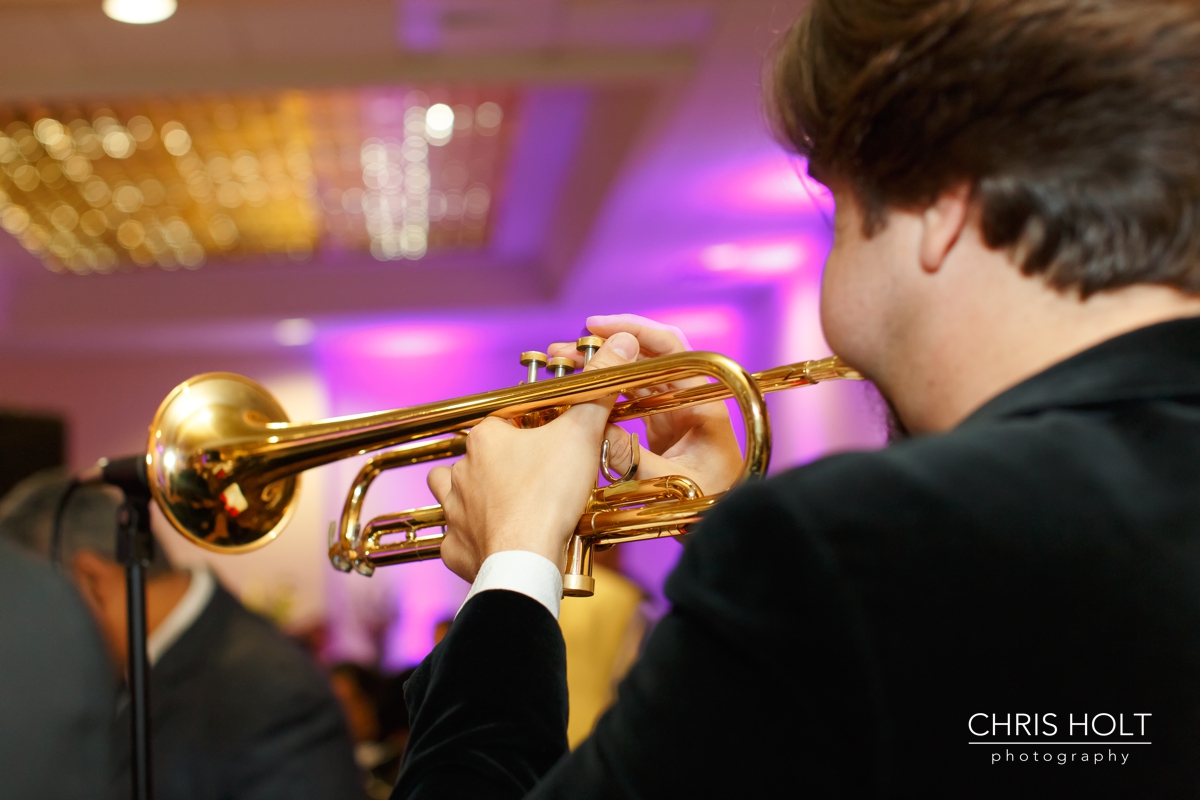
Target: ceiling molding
x=598, y=67
x=618, y=119
x=51, y=304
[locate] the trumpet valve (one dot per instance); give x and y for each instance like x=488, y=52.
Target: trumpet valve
x=578, y=585
x=577, y=578
x=561, y=366
x=588, y=345
x=533, y=361
x=337, y=555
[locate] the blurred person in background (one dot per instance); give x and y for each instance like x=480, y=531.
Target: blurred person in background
x=378, y=720
x=441, y=629
x=602, y=634
x=237, y=710
x=58, y=693
x=393, y=720
x=357, y=689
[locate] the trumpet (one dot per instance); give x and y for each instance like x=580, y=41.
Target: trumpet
x=223, y=460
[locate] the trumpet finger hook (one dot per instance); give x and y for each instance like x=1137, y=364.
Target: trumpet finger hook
x=634, y=459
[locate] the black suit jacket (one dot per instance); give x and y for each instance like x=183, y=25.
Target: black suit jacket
x=239, y=712
x=57, y=687
x=849, y=628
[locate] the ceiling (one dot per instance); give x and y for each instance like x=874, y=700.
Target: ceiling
x=639, y=147
x=69, y=49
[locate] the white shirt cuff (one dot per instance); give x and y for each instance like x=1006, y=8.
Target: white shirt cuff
x=523, y=572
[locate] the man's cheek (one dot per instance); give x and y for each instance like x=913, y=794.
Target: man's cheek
x=840, y=305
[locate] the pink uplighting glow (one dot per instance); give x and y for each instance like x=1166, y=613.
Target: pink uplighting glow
x=706, y=327
x=403, y=341
x=757, y=258
x=777, y=183
x=389, y=619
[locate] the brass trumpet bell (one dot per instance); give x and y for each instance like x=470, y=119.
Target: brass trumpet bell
x=205, y=465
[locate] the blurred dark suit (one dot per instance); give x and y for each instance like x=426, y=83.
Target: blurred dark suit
x=239, y=712
x=57, y=687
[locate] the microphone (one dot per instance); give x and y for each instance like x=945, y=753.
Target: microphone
x=127, y=473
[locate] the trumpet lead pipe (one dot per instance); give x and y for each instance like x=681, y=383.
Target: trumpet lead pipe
x=789, y=376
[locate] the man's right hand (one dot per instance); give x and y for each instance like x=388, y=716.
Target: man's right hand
x=696, y=442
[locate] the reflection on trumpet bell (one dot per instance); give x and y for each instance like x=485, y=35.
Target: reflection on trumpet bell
x=206, y=467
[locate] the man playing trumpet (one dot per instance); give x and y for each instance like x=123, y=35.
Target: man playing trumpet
x=1016, y=267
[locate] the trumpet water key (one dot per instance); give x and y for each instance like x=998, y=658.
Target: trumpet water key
x=223, y=460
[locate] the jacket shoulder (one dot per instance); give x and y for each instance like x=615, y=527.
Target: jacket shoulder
x=258, y=675
x=802, y=531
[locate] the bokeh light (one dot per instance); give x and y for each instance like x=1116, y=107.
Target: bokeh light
x=174, y=182
x=439, y=124
x=755, y=258
x=295, y=332
x=139, y=12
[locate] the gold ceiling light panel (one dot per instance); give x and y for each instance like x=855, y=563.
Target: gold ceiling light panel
x=177, y=183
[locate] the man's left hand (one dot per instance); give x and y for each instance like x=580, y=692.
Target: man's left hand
x=525, y=489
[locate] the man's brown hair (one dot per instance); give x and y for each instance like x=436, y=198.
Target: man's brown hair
x=1075, y=122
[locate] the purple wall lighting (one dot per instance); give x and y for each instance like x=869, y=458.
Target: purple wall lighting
x=390, y=617
x=405, y=341
x=790, y=188
x=769, y=258
x=719, y=328
x=773, y=183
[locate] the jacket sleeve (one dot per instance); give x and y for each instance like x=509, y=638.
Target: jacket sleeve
x=489, y=704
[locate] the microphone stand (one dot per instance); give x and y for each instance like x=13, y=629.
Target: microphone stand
x=136, y=549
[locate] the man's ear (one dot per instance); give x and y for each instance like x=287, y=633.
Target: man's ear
x=94, y=575
x=101, y=582
x=942, y=224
